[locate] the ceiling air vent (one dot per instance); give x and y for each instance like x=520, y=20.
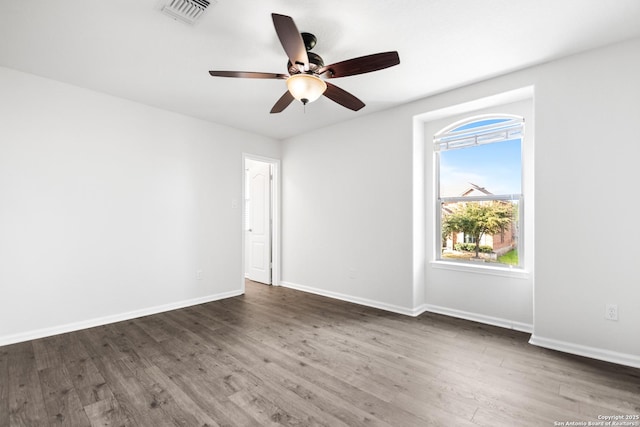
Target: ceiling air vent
x=188, y=11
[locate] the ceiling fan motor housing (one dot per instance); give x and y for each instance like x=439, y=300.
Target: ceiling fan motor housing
x=315, y=63
x=309, y=40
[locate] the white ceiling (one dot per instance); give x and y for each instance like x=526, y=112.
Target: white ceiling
x=131, y=50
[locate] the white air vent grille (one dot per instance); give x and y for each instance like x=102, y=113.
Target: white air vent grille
x=188, y=11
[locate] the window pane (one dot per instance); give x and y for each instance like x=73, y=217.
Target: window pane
x=496, y=167
x=479, y=123
x=481, y=231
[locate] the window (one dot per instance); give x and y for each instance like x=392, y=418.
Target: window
x=479, y=190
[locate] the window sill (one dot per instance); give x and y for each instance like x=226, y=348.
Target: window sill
x=481, y=269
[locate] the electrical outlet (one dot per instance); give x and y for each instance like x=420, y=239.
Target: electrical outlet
x=199, y=275
x=611, y=312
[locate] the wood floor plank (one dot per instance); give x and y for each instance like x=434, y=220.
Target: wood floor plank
x=264, y=412
x=47, y=352
x=209, y=392
x=138, y=403
x=321, y=398
x=239, y=378
x=134, y=402
x=197, y=415
x=108, y=413
x=522, y=400
x=4, y=387
x=611, y=398
x=276, y=356
x=26, y=402
x=434, y=354
x=206, y=393
x=61, y=399
x=405, y=381
x=89, y=384
x=286, y=401
x=377, y=407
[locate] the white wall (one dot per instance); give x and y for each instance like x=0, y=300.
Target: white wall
x=348, y=204
x=346, y=217
x=108, y=207
x=587, y=148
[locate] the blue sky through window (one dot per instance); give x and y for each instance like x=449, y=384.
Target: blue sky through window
x=478, y=124
x=496, y=166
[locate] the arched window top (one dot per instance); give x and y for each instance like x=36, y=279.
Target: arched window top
x=478, y=123
x=477, y=130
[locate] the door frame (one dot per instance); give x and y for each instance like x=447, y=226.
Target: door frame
x=275, y=216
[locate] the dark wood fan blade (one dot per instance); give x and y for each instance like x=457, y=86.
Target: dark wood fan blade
x=291, y=40
x=282, y=103
x=342, y=97
x=361, y=65
x=248, y=74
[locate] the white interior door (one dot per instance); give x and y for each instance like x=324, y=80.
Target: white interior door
x=259, y=232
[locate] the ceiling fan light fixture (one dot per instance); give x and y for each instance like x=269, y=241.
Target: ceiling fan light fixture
x=306, y=87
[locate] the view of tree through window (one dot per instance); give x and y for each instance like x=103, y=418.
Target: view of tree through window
x=479, y=190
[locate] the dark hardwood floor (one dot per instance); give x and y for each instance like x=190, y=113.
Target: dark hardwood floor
x=276, y=356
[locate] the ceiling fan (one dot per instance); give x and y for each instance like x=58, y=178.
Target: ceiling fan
x=305, y=68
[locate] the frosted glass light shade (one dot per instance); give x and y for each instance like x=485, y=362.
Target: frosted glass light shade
x=306, y=87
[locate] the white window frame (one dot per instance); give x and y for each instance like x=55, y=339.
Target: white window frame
x=446, y=139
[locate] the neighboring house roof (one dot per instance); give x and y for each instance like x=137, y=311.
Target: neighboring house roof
x=474, y=187
x=469, y=192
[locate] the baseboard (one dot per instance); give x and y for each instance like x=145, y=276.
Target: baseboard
x=504, y=323
x=586, y=351
x=480, y=318
x=76, y=326
x=356, y=300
